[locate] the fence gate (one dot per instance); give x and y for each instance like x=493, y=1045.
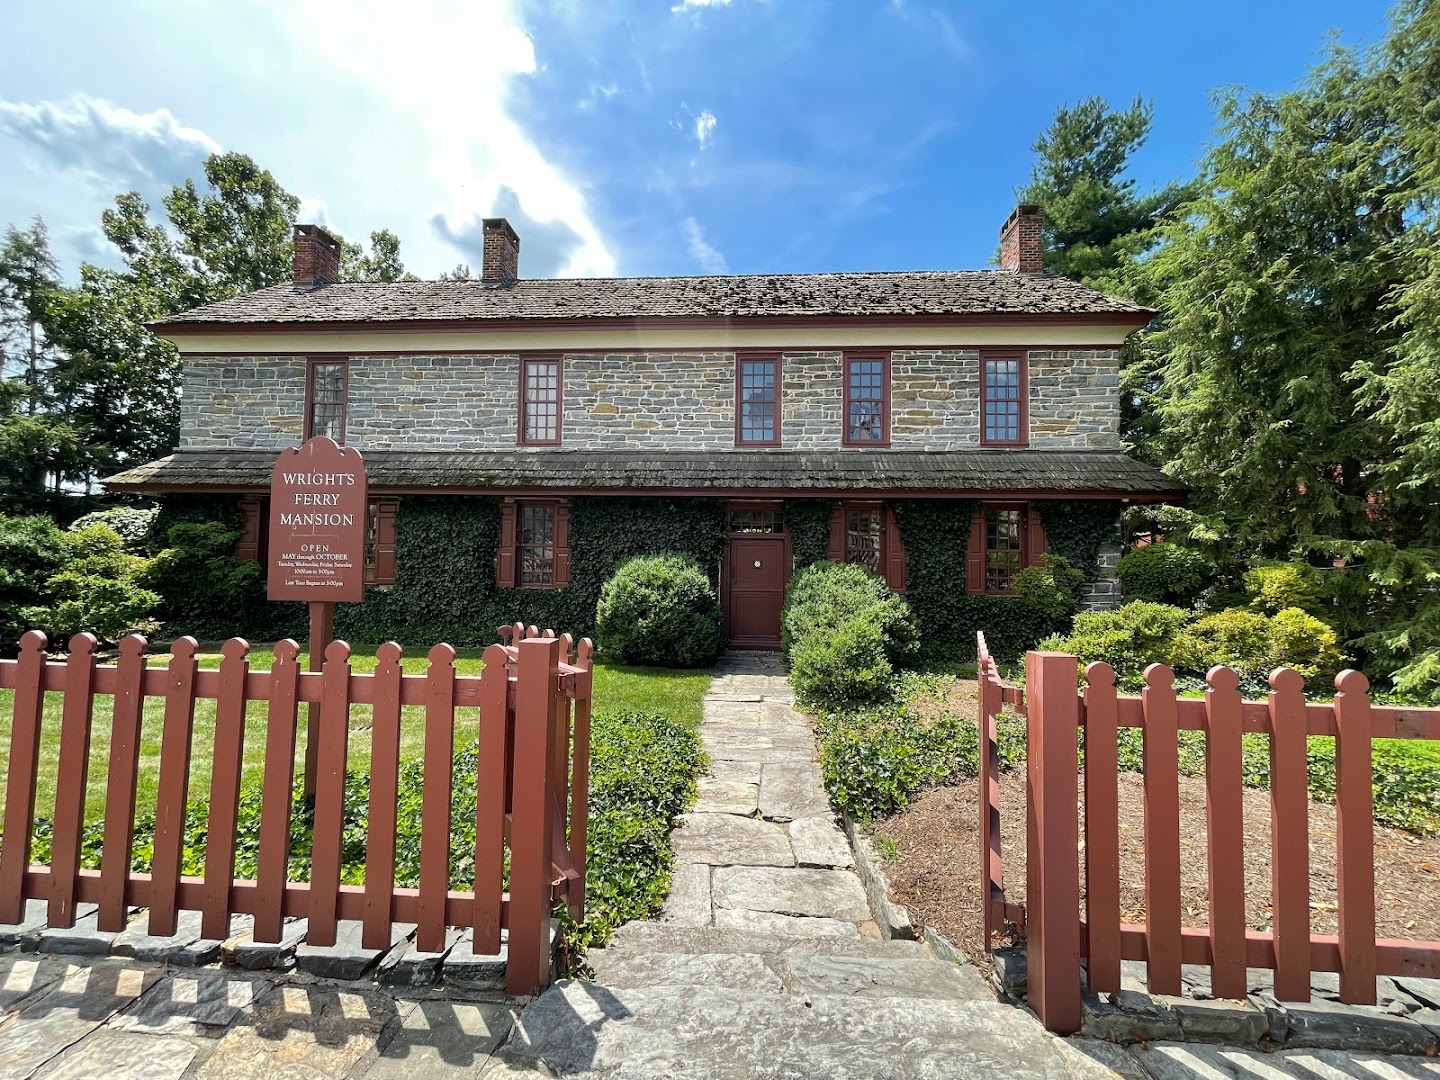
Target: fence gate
x=1057, y=937
x=533, y=703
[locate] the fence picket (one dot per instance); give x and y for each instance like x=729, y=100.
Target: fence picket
x=75, y=720
x=528, y=961
x=1225, y=834
x=272, y=861
x=1289, y=836
x=384, y=793
x=580, y=774
x=490, y=800
x=118, y=841
x=1355, y=838
x=329, y=824
x=230, y=704
x=174, y=787
x=1102, y=829
x=1162, y=830
x=20, y=782
x=435, y=802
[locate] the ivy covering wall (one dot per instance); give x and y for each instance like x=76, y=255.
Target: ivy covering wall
x=445, y=586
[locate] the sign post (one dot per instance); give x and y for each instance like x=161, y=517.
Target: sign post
x=319, y=511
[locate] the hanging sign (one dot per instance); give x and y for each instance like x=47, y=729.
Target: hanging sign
x=319, y=508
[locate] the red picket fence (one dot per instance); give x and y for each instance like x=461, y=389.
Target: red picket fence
x=533, y=701
x=1057, y=937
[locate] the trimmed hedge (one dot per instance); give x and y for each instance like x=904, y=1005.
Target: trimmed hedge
x=1164, y=574
x=659, y=610
x=844, y=633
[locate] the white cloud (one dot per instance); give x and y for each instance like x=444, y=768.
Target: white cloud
x=684, y=4
x=705, y=128
x=596, y=95
x=417, y=68
x=705, y=254
x=109, y=144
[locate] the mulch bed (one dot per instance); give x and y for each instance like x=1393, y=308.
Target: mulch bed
x=937, y=873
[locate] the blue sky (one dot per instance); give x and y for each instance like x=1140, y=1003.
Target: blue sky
x=620, y=136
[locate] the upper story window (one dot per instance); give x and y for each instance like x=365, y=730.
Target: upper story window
x=757, y=399
x=1004, y=549
x=326, y=383
x=867, y=400
x=540, y=397
x=1003, y=400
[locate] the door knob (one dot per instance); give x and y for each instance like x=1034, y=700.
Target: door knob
x=757, y=564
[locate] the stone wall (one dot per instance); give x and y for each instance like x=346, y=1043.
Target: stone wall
x=1103, y=594
x=652, y=401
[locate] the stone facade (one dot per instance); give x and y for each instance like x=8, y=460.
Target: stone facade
x=649, y=401
x=1103, y=594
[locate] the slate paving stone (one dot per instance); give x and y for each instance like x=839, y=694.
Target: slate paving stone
x=792, y=790
x=1186, y=1061
x=465, y=969
x=124, y=1055
x=347, y=959
x=689, y=901
x=625, y=968
x=32, y=920
x=85, y=938
x=865, y=976
x=303, y=1031
x=72, y=1008
x=732, y=712
x=185, y=946
x=439, y=1038
x=1330, y=1025
x=192, y=1003
x=726, y=797
x=1340, y=1065
x=85, y=928
x=728, y=840
x=833, y=894
x=23, y=975
x=818, y=842
x=738, y=772
x=254, y=955
x=768, y=922
x=411, y=967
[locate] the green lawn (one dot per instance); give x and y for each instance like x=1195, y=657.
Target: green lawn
x=675, y=693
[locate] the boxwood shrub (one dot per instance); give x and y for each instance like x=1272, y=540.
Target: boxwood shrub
x=659, y=610
x=1164, y=574
x=844, y=633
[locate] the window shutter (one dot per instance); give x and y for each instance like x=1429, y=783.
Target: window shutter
x=505, y=556
x=894, y=552
x=1036, y=543
x=837, y=533
x=385, y=512
x=562, y=545
x=975, y=555
x=247, y=546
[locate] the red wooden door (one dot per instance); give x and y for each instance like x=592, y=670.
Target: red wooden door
x=757, y=573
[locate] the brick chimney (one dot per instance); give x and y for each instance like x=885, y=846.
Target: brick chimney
x=316, y=257
x=1022, y=240
x=502, y=252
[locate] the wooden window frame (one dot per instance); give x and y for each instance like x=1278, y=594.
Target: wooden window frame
x=1023, y=509
x=522, y=433
x=1023, y=357
x=507, y=556
x=311, y=363
x=380, y=542
x=846, y=359
x=776, y=361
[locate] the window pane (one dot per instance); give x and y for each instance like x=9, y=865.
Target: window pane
x=757, y=521
x=536, y=545
x=327, y=400
x=865, y=401
x=1002, y=549
x=862, y=537
x=758, y=397
x=542, y=401
x=1002, y=400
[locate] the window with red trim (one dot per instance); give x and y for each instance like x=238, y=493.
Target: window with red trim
x=326, y=382
x=867, y=401
x=865, y=537
x=540, y=396
x=757, y=399
x=1003, y=400
x=1004, y=549
x=380, y=542
x=534, y=548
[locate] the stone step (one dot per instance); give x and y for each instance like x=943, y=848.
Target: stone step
x=793, y=972
x=581, y=1029
x=668, y=938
